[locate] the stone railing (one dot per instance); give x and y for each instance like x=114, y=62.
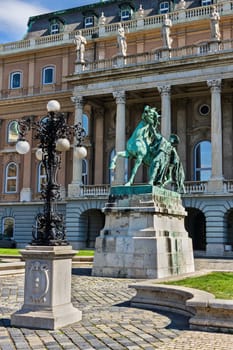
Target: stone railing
x=94, y=190
x=195, y=187
x=228, y=186
x=150, y=22
x=104, y=190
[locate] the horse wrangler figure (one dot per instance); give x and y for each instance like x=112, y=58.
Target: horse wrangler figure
x=147, y=146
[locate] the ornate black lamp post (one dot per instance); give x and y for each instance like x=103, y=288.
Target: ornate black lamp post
x=54, y=136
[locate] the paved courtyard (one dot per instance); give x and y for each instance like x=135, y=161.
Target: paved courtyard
x=108, y=321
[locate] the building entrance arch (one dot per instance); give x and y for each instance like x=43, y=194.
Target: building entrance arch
x=195, y=224
x=92, y=222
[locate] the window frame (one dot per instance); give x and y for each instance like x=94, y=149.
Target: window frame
x=8, y=178
x=44, y=69
x=162, y=8
x=8, y=132
x=125, y=17
x=206, y=2
x=84, y=172
x=89, y=21
x=85, y=123
x=54, y=28
x=40, y=177
x=11, y=80
x=200, y=170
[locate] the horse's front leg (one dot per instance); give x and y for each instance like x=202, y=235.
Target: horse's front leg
x=137, y=164
x=122, y=154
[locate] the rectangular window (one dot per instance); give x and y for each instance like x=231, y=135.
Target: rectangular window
x=48, y=75
x=15, y=80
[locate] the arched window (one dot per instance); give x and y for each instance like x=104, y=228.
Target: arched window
x=84, y=171
x=85, y=123
x=41, y=177
x=12, y=131
x=8, y=227
x=48, y=75
x=202, y=161
x=11, y=178
x=16, y=80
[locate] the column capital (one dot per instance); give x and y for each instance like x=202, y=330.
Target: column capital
x=119, y=96
x=78, y=101
x=214, y=84
x=164, y=89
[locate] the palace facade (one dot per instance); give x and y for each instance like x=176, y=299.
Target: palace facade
x=182, y=66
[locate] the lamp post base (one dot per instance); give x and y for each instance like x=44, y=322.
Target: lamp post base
x=47, y=289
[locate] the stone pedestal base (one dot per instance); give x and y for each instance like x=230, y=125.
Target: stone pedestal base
x=144, y=235
x=47, y=289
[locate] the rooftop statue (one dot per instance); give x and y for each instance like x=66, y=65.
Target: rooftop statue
x=121, y=41
x=214, y=21
x=147, y=146
x=166, y=32
x=80, y=42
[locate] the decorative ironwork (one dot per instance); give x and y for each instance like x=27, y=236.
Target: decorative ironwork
x=53, y=134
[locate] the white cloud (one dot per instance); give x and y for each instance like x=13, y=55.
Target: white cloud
x=14, y=16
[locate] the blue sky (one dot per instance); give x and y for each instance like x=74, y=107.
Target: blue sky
x=14, y=14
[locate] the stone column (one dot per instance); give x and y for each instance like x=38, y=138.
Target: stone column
x=74, y=187
x=99, y=145
x=120, y=135
x=165, y=92
x=216, y=132
x=181, y=131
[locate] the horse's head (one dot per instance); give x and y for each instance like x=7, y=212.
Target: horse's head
x=150, y=116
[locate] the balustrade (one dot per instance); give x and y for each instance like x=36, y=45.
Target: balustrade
x=182, y=15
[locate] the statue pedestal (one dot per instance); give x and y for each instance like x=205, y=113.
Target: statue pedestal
x=47, y=289
x=144, y=235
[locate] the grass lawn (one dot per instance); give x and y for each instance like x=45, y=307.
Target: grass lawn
x=218, y=283
x=14, y=251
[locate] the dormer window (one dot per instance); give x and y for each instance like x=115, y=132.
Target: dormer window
x=164, y=7
x=54, y=29
x=56, y=26
x=126, y=13
x=206, y=2
x=89, y=22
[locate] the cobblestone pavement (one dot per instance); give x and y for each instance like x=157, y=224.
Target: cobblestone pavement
x=108, y=322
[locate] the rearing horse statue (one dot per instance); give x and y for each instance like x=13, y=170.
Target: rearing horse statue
x=149, y=147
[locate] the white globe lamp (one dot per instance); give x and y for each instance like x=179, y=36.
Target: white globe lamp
x=53, y=106
x=22, y=147
x=62, y=145
x=80, y=152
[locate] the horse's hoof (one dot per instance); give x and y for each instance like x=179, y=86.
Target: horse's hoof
x=128, y=184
